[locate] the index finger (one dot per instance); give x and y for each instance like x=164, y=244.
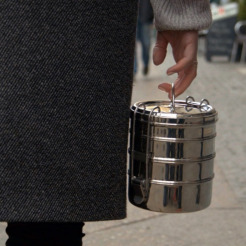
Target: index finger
x=184, y=82
x=189, y=57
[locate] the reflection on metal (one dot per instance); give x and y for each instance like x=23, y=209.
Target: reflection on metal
x=172, y=155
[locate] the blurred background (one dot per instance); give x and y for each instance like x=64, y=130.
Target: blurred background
x=222, y=80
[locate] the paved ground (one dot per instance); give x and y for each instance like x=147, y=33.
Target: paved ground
x=224, y=222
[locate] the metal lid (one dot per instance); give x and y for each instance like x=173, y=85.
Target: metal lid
x=181, y=109
x=172, y=112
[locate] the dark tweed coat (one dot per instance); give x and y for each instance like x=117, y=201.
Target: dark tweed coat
x=66, y=80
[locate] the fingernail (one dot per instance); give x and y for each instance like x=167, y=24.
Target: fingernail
x=170, y=73
x=162, y=88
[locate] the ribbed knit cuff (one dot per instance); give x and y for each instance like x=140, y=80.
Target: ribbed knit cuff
x=181, y=14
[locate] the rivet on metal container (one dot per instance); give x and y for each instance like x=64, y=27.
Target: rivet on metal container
x=172, y=151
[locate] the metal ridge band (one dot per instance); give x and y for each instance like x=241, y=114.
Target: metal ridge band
x=178, y=183
x=178, y=161
x=153, y=123
x=186, y=125
x=175, y=115
x=174, y=140
x=163, y=160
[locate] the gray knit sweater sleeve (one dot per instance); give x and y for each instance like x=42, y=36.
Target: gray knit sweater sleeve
x=181, y=14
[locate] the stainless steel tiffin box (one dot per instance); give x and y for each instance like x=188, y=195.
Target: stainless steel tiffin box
x=172, y=151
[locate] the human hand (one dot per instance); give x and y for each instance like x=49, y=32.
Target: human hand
x=184, y=47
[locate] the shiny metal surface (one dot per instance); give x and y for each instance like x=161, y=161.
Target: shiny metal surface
x=172, y=150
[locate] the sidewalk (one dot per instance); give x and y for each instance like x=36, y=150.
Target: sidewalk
x=224, y=222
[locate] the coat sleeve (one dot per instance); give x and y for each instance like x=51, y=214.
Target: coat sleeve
x=181, y=14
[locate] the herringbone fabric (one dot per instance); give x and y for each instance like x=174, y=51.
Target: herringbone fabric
x=66, y=80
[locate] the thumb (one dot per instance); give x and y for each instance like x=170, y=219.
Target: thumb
x=165, y=87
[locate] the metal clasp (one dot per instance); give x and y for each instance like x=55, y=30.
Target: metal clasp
x=204, y=105
x=190, y=104
x=172, y=99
